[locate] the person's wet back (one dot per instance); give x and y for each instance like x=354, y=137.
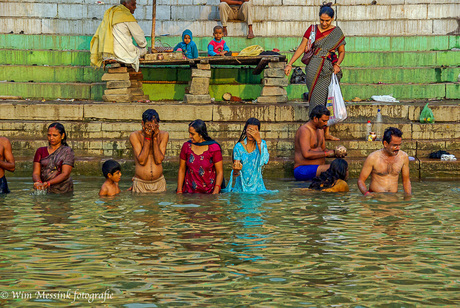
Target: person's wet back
x=333, y=179
x=6, y=163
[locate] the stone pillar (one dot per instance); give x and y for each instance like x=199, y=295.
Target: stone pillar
x=123, y=84
x=274, y=82
x=199, y=86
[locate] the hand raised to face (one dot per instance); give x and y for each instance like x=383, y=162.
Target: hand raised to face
x=253, y=131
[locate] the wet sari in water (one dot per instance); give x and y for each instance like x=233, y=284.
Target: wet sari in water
x=51, y=167
x=321, y=67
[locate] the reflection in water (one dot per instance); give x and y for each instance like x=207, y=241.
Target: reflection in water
x=293, y=248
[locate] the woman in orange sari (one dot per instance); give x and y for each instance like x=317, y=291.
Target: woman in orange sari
x=324, y=61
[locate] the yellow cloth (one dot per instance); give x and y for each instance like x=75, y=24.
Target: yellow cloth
x=102, y=41
x=251, y=51
x=339, y=186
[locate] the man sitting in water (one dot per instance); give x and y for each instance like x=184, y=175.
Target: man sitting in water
x=149, y=145
x=114, y=36
x=385, y=165
x=310, y=146
x=6, y=163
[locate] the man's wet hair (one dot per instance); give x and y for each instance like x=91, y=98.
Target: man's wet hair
x=110, y=167
x=391, y=131
x=217, y=28
x=150, y=115
x=319, y=111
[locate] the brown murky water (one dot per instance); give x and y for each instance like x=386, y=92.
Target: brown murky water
x=289, y=249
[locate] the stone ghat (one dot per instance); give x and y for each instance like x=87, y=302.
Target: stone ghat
x=272, y=18
x=99, y=131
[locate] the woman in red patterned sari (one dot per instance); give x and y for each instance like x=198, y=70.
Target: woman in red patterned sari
x=324, y=61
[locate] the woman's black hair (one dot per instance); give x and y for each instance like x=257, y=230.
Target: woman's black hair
x=337, y=170
x=250, y=121
x=327, y=9
x=200, y=128
x=61, y=130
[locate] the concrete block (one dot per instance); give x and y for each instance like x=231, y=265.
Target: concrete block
x=303, y=2
x=201, y=73
x=363, y=12
x=199, y=86
x=41, y=111
x=203, y=66
x=139, y=98
x=136, y=91
x=122, y=91
x=136, y=84
x=115, y=77
x=274, y=113
x=418, y=27
x=268, y=2
x=271, y=91
x=409, y=11
x=118, y=70
x=194, y=12
x=272, y=99
x=28, y=25
x=274, y=73
x=442, y=113
x=97, y=10
x=119, y=98
x=28, y=10
x=118, y=84
x=63, y=26
x=442, y=11
x=279, y=82
x=72, y=11
x=435, y=131
x=163, y=12
x=279, y=65
x=444, y=26
x=197, y=99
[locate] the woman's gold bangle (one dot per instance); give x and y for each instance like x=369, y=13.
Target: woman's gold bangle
x=289, y=65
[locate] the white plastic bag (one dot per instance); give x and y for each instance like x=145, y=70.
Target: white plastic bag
x=335, y=103
x=384, y=98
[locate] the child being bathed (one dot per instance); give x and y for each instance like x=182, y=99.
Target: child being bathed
x=112, y=172
x=218, y=47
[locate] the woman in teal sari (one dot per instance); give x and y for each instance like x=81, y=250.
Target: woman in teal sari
x=250, y=155
x=324, y=61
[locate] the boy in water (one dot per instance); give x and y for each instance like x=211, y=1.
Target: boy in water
x=218, y=47
x=112, y=172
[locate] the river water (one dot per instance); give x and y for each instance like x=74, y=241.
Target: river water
x=293, y=248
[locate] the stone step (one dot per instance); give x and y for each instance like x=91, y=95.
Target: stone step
x=384, y=58
x=86, y=74
x=278, y=148
x=420, y=169
x=94, y=113
x=370, y=43
x=77, y=91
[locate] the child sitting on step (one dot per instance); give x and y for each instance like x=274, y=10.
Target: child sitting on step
x=187, y=45
x=218, y=47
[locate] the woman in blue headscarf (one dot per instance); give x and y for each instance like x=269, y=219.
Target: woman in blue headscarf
x=187, y=45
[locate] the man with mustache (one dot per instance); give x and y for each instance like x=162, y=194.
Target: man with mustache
x=310, y=146
x=385, y=165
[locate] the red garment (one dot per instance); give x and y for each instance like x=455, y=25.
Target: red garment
x=200, y=174
x=319, y=34
x=41, y=153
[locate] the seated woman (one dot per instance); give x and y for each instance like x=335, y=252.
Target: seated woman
x=333, y=179
x=250, y=155
x=201, y=168
x=53, y=164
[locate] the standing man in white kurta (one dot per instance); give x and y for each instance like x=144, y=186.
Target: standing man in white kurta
x=114, y=36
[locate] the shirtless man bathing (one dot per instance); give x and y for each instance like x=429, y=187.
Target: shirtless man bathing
x=385, y=165
x=6, y=163
x=149, y=145
x=310, y=146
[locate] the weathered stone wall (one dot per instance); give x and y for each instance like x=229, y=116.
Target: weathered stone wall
x=273, y=17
